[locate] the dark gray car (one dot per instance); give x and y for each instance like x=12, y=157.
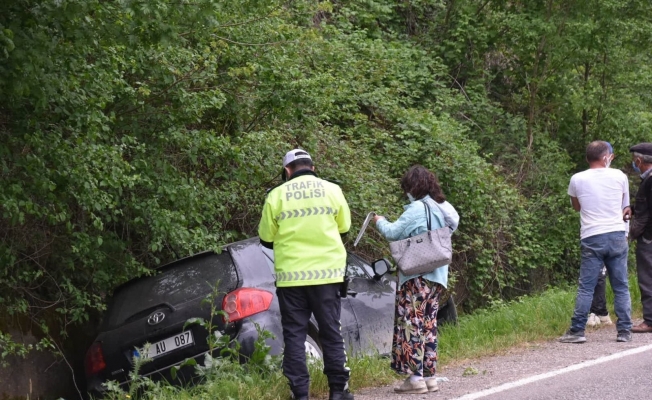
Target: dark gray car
x=154, y=309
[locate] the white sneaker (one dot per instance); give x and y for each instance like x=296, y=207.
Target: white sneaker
x=593, y=320
x=604, y=319
x=412, y=387
x=431, y=384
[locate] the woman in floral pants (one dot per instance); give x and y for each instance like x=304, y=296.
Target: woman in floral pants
x=414, y=345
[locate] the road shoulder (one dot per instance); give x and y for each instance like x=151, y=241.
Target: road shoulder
x=530, y=359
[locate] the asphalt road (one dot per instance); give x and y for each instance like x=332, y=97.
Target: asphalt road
x=627, y=377
x=601, y=368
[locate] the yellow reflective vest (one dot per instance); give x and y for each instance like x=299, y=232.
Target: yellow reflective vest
x=304, y=218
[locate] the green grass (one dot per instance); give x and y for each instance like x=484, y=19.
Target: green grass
x=368, y=371
x=485, y=332
x=528, y=319
x=493, y=330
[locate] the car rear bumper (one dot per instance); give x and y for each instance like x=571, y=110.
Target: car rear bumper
x=185, y=375
x=247, y=335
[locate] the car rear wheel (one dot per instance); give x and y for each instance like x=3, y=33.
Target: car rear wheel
x=313, y=351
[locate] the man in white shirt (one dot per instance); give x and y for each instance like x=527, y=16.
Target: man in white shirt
x=599, y=315
x=601, y=195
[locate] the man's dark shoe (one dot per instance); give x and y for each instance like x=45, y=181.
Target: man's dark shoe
x=642, y=328
x=573, y=337
x=340, y=395
x=624, y=336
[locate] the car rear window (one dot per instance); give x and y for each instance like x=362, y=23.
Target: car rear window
x=171, y=285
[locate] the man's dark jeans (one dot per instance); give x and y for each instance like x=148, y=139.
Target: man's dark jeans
x=610, y=250
x=599, y=304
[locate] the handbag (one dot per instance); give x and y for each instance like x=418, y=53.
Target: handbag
x=423, y=253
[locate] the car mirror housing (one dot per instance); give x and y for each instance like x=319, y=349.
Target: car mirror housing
x=380, y=267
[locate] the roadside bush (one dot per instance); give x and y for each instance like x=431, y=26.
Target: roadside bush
x=133, y=133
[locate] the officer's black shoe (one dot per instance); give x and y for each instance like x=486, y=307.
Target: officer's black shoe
x=340, y=395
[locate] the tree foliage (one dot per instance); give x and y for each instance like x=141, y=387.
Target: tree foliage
x=135, y=132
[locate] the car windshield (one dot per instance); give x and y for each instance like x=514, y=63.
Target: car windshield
x=174, y=284
x=357, y=268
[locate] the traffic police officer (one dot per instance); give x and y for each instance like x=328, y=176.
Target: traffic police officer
x=303, y=220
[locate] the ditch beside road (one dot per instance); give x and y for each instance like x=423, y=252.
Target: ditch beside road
x=531, y=359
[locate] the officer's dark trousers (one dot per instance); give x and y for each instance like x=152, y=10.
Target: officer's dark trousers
x=297, y=304
x=644, y=273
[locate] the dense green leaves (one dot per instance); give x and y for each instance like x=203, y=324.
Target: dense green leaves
x=136, y=132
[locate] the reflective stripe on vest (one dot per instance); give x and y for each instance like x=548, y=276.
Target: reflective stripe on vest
x=309, y=275
x=306, y=212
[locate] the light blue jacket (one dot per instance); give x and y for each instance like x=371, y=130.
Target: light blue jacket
x=411, y=223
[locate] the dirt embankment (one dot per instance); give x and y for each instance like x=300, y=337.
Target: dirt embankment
x=41, y=374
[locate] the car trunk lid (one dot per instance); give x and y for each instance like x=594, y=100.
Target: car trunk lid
x=154, y=309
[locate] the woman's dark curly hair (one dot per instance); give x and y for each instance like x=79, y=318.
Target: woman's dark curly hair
x=419, y=182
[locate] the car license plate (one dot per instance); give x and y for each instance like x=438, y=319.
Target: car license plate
x=166, y=346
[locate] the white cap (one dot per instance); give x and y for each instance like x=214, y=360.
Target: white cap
x=294, y=155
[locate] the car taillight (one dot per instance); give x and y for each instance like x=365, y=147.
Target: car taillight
x=245, y=302
x=94, y=362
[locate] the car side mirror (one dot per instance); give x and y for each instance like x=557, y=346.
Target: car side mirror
x=380, y=267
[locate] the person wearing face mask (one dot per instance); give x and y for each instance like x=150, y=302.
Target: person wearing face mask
x=601, y=196
x=599, y=315
x=414, y=344
x=641, y=230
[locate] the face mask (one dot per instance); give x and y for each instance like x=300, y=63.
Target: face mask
x=607, y=161
x=636, y=169
x=410, y=197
